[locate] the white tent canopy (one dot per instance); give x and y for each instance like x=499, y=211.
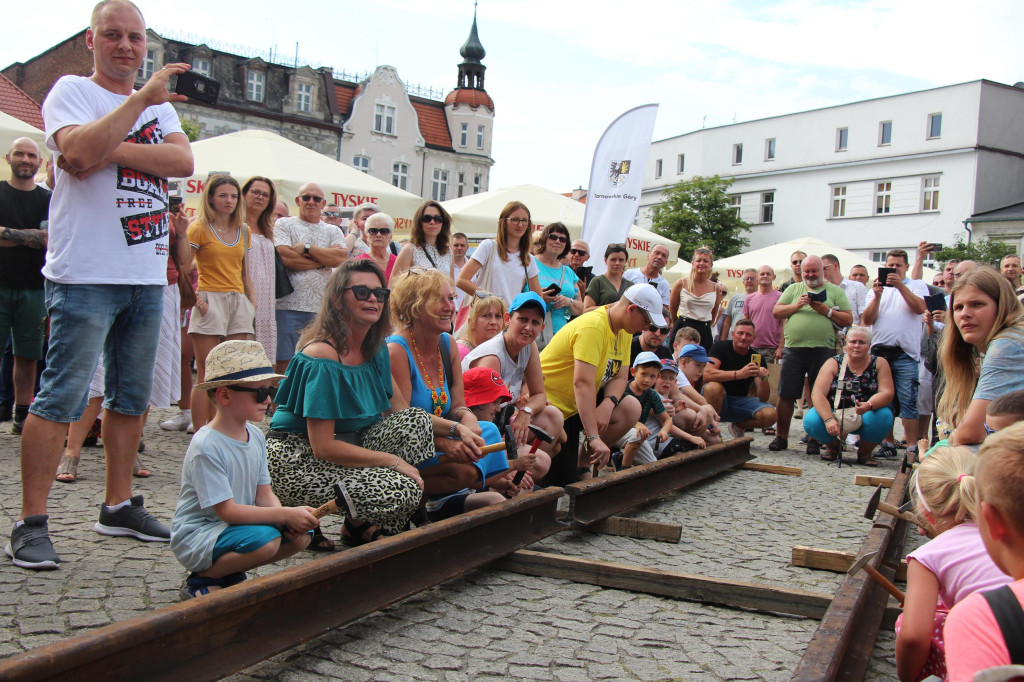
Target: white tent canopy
x=731, y=269
x=290, y=165
x=10, y=130
x=477, y=216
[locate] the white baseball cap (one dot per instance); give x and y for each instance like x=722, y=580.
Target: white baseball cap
x=649, y=300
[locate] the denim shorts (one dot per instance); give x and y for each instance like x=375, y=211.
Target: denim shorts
x=740, y=408
x=290, y=324
x=905, y=377
x=122, y=321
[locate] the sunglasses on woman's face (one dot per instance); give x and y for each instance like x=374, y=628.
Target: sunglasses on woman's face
x=374, y=231
x=261, y=393
x=362, y=292
x=558, y=238
x=432, y=219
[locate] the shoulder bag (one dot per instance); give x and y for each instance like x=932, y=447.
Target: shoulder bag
x=849, y=420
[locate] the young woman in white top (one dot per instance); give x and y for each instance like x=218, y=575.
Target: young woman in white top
x=260, y=200
x=505, y=263
x=430, y=242
x=695, y=300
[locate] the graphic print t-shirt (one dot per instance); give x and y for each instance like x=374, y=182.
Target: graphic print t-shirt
x=111, y=227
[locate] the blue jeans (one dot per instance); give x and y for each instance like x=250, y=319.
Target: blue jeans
x=290, y=324
x=874, y=429
x=120, y=320
x=905, y=377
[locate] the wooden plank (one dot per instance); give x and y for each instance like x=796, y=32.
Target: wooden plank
x=772, y=468
x=629, y=527
x=873, y=481
x=732, y=593
x=223, y=632
x=832, y=560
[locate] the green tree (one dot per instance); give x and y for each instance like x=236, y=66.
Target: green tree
x=698, y=212
x=988, y=251
x=190, y=128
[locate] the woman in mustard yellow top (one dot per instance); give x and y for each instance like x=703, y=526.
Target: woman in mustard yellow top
x=225, y=309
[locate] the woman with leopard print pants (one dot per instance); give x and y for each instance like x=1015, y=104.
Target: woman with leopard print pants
x=341, y=418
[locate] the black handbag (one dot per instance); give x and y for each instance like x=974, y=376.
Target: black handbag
x=282, y=285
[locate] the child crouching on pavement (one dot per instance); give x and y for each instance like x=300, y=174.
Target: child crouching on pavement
x=976, y=638
x=228, y=519
x=654, y=426
x=685, y=414
x=485, y=393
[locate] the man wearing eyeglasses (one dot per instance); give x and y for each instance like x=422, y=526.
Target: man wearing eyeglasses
x=579, y=252
x=310, y=249
x=650, y=340
x=650, y=274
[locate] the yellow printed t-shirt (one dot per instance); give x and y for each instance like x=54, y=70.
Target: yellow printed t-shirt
x=587, y=338
x=219, y=264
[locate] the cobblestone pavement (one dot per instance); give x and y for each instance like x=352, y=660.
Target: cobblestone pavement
x=488, y=625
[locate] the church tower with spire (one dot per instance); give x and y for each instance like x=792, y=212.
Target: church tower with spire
x=470, y=112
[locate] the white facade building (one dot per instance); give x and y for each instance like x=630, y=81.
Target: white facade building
x=867, y=176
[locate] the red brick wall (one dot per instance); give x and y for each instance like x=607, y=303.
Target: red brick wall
x=37, y=75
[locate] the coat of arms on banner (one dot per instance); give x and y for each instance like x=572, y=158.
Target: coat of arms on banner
x=618, y=173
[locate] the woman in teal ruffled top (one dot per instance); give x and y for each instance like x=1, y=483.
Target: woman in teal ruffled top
x=341, y=419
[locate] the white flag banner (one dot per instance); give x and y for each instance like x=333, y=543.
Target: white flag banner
x=616, y=178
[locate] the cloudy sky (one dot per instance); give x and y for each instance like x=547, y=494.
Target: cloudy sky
x=560, y=71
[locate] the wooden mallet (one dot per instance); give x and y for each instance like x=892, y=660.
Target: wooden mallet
x=862, y=563
x=875, y=504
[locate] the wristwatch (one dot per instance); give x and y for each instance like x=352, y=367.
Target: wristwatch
x=308, y=247
x=528, y=410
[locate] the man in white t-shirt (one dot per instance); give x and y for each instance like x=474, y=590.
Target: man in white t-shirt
x=894, y=309
x=106, y=268
x=855, y=291
x=310, y=249
x=650, y=274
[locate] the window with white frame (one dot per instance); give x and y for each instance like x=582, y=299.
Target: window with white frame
x=201, y=66
x=464, y=135
x=255, y=86
x=934, y=126
x=884, y=133
x=304, y=97
x=384, y=119
x=400, y=175
x=680, y=164
x=148, y=66
x=439, y=190
x=477, y=179
x=479, y=137
x=769, y=149
x=767, y=206
x=657, y=168
x=930, y=200
x=361, y=163
x=883, y=198
x=839, y=201
x=735, y=200
x=842, y=139
x=461, y=189
x=879, y=256
x=737, y=154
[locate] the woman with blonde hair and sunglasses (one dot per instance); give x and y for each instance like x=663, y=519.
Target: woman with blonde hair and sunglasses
x=696, y=300
x=981, y=353
x=430, y=242
x=505, y=265
x=485, y=321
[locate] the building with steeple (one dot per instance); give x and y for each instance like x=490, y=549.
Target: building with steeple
x=413, y=137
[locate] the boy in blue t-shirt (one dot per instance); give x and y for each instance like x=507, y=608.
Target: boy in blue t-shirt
x=228, y=519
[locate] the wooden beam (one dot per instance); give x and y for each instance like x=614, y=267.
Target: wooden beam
x=698, y=588
x=772, y=468
x=833, y=560
x=629, y=527
x=873, y=481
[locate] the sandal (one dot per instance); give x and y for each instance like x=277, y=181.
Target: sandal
x=831, y=452
x=68, y=471
x=138, y=469
x=320, y=542
x=196, y=585
x=768, y=431
x=357, y=534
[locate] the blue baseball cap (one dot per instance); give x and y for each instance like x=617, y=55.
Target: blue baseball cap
x=646, y=358
x=669, y=365
x=694, y=352
x=528, y=298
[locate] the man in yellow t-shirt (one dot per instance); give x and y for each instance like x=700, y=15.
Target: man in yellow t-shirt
x=586, y=369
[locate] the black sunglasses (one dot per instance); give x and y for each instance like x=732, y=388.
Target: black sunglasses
x=558, y=237
x=261, y=393
x=578, y=252
x=311, y=197
x=432, y=219
x=362, y=292
x=373, y=231
x=656, y=328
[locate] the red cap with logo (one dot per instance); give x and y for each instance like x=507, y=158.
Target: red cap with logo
x=483, y=385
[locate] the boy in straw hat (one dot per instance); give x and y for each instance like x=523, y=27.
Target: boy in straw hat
x=228, y=520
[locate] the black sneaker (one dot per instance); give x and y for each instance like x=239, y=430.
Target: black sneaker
x=132, y=521
x=30, y=545
x=16, y=426
x=813, y=448
x=778, y=444
x=886, y=450
x=6, y=412
x=805, y=439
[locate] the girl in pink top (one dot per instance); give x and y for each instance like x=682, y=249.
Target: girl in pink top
x=945, y=570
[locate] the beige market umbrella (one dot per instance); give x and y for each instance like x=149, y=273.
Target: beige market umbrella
x=777, y=255
x=477, y=216
x=290, y=165
x=10, y=130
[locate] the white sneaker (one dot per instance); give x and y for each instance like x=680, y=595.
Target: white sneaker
x=179, y=422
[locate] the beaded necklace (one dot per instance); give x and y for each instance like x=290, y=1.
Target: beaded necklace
x=438, y=396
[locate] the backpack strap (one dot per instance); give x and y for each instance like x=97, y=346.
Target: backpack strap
x=1010, y=617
